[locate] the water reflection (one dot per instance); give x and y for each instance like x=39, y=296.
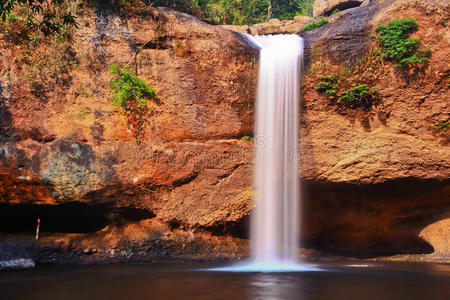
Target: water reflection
x=383, y=281
x=275, y=287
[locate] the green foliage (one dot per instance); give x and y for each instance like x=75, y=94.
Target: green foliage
x=442, y=126
x=129, y=90
x=83, y=112
x=48, y=16
x=236, y=12
x=240, y=12
x=329, y=85
x=359, y=96
x=335, y=11
x=323, y=86
x=287, y=9
x=396, y=43
x=305, y=8
x=40, y=32
x=45, y=61
x=315, y=24
x=247, y=138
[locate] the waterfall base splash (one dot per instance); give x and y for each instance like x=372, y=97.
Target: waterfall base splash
x=268, y=267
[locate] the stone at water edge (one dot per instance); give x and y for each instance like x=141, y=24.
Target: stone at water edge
x=14, y=257
x=438, y=235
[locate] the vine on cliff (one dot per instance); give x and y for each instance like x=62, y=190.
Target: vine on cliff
x=132, y=96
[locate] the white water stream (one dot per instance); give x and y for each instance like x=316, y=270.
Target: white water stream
x=275, y=222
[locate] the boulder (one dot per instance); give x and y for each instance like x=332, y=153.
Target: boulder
x=327, y=7
x=14, y=257
x=438, y=235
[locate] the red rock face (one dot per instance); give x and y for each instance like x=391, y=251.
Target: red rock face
x=387, y=166
x=182, y=163
x=177, y=183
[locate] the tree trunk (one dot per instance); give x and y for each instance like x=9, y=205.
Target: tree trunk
x=269, y=10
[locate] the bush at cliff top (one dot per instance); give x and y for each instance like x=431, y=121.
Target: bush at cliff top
x=396, y=43
x=127, y=87
x=315, y=24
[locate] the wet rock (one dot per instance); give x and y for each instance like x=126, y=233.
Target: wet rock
x=14, y=257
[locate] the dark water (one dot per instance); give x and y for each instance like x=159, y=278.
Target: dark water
x=378, y=281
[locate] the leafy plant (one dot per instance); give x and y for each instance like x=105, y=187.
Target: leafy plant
x=315, y=24
x=335, y=11
x=442, y=126
x=396, y=43
x=329, y=85
x=45, y=61
x=49, y=16
x=247, y=138
x=359, y=96
x=241, y=12
x=129, y=90
x=83, y=112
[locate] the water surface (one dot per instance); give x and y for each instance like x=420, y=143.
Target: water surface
x=144, y=281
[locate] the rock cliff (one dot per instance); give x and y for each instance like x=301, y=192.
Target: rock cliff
x=68, y=157
x=391, y=156
x=176, y=183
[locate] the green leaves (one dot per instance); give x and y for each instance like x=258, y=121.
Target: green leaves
x=329, y=85
x=315, y=24
x=247, y=138
x=239, y=12
x=129, y=90
x=48, y=16
x=396, y=43
x=359, y=96
x=442, y=126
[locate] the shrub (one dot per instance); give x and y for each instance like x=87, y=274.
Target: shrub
x=49, y=17
x=442, y=126
x=247, y=138
x=129, y=90
x=329, y=85
x=315, y=24
x=323, y=86
x=397, y=45
x=359, y=96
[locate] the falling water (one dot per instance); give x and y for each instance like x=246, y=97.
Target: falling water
x=275, y=222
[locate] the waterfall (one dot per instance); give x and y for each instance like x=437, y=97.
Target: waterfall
x=275, y=222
